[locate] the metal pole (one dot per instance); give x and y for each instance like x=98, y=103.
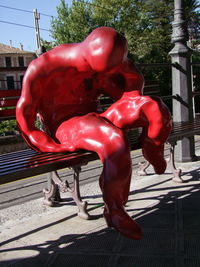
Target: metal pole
x=37, y=30
x=182, y=81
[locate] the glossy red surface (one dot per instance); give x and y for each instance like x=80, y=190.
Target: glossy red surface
x=63, y=86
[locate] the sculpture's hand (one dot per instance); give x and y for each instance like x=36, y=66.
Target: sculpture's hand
x=40, y=141
x=154, y=154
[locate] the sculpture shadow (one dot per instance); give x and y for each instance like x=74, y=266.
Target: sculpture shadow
x=171, y=232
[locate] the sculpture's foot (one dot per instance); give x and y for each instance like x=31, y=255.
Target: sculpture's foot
x=123, y=223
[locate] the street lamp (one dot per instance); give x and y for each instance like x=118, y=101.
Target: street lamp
x=181, y=80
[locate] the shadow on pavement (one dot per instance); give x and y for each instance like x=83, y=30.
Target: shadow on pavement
x=171, y=237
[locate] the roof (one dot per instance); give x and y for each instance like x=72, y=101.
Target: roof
x=6, y=49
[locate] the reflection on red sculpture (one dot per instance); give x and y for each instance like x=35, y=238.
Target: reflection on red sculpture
x=63, y=86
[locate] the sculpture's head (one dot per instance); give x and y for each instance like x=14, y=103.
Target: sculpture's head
x=105, y=49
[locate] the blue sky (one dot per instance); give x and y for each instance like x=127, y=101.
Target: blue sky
x=26, y=36
x=23, y=35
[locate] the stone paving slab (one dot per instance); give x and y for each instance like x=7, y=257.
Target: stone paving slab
x=169, y=214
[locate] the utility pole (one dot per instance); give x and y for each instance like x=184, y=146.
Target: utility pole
x=182, y=81
x=37, y=30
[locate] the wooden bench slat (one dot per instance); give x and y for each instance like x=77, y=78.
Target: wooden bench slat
x=177, y=128
x=51, y=165
x=17, y=154
x=18, y=166
x=38, y=158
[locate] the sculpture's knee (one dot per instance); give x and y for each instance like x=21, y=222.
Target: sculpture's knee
x=116, y=144
x=116, y=157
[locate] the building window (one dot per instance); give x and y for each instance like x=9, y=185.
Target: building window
x=21, y=80
x=8, y=62
x=21, y=61
x=10, y=82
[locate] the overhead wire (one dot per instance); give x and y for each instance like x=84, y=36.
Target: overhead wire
x=28, y=11
x=23, y=10
x=22, y=25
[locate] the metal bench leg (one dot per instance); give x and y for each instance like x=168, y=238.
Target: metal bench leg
x=142, y=168
x=75, y=193
x=52, y=195
x=176, y=172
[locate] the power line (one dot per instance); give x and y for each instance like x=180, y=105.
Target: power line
x=22, y=25
x=23, y=10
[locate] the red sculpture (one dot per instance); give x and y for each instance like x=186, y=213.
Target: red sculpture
x=63, y=86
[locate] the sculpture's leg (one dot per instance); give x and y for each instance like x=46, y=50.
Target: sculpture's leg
x=96, y=134
x=176, y=172
x=115, y=189
x=142, y=168
x=115, y=183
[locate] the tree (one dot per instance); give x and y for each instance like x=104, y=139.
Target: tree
x=192, y=16
x=73, y=23
x=46, y=44
x=145, y=23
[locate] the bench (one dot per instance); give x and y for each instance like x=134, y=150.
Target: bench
x=27, y=163
x=179, y=131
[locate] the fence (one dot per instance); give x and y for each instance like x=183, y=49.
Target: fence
x=158, y=72
x=196, y=86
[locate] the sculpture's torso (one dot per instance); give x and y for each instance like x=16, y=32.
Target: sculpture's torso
x=70, y=93
x=61, y=84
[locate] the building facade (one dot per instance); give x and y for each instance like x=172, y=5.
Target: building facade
x=13, y=64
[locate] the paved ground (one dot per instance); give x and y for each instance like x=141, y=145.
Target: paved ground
x=169, y=214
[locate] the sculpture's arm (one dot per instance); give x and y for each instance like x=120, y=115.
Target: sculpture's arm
x=123, y=78
x=156, y=133
x=133, y=77
x=26, y=112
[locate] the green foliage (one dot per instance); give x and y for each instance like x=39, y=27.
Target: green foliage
x=192, y=16
x=73, y=23
x=8, y=127
x=196, y=80
x=196, y=71
x=145, y=23
x=47, y=45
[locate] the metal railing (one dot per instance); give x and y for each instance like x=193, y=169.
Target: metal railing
x=159, y=72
